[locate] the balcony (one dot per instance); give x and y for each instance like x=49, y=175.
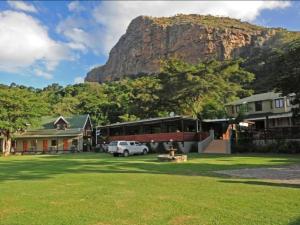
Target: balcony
x=160, y=137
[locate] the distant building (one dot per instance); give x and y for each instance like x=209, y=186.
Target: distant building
x=185, y=133
x=177, y=128
x=266, y=110
x=164, y=130
x=55, y=135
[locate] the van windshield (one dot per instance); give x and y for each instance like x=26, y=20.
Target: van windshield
x=113, y=143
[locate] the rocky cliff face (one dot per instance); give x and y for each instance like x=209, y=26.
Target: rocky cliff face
x=190, y=38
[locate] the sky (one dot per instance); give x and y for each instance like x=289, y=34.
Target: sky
x=44, y=42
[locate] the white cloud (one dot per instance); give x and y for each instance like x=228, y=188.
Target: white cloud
x=75, y=29
x=79, y=80
x=115, y=16
x=23, y=6
x=75, y=6
x=24, y=43
x=41, y=73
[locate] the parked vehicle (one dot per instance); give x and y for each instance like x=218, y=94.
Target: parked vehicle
x=127, y=148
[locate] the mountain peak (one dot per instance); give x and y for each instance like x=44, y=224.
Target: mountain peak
x=190, y=38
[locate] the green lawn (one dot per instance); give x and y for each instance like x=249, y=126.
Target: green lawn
x=98, y=189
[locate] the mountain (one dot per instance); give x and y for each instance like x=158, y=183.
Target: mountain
x=191, y=38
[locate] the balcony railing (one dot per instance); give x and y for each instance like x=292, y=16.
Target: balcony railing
x=274, y=133
x=160, y=137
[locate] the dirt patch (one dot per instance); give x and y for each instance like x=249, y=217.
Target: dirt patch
x=283, y=174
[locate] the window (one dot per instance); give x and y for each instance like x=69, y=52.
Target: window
x=258, y=106
x=243, y=108
x=131, y=143
x=61, y=126
x=231, y=109
x=113, y=143
x=33, y=143
x=238, y=107
x=53, y=143
x=123, y=143
x=74, y=142
x=279, y=103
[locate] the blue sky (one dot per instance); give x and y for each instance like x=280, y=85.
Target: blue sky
x=42, y=42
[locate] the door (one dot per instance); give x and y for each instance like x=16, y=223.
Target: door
x=138, y=147
x=45, y=145
x=66, y=145
x=132, y=148
x=25, y=146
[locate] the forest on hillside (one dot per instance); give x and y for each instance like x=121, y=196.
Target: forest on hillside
x=199, y=90
x=195, y=90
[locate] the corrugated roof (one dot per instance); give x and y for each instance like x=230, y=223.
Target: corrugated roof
x=149, y=120
x=257, y=97
x=76, y=121
x=46, y=127
x=50, y=132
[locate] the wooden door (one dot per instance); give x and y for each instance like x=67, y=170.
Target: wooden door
x=25, y=145
x=45, y=145
x=66, y=145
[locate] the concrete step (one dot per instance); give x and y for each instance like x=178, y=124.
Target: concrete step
x=217, y=146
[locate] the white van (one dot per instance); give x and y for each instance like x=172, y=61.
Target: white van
x=127, y=148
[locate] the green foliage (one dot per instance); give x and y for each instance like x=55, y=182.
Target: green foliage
x=195, y=90
x=189, y=89
x=19, y=107
x=207, y=20
x=287, y=73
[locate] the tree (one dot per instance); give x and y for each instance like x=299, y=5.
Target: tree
x=287, y=71
x=197, y=89
x=19, y=108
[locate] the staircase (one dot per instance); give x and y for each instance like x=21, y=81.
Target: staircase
x=218, y=146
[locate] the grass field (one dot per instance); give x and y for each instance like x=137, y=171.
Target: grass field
x=97, y=189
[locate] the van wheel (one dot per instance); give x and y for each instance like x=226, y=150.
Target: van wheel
x=126, y=153
x=144, y=151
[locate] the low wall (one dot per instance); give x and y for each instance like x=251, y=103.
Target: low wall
x=202, y=145
x=182, y=146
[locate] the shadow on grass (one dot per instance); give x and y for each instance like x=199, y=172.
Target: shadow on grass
x=288, y=185
x=45, y=167
x=296, y=222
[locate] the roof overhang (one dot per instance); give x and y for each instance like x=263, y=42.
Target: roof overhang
x=149, y=121
x=62, y=118
x=45, y=136
x=275, y=116
x=88, y=118
x=217, y=120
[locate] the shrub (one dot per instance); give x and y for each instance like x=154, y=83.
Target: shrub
x=279, y=146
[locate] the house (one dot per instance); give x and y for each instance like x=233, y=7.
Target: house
x=58, y=134
x=266, y=110
x=182, y=131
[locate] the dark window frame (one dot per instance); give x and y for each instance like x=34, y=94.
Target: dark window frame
x=123, y=143
x=53, y=141
x=258, y=106
x=279, y=103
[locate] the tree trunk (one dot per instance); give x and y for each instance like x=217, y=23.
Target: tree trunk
x=6, y=144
